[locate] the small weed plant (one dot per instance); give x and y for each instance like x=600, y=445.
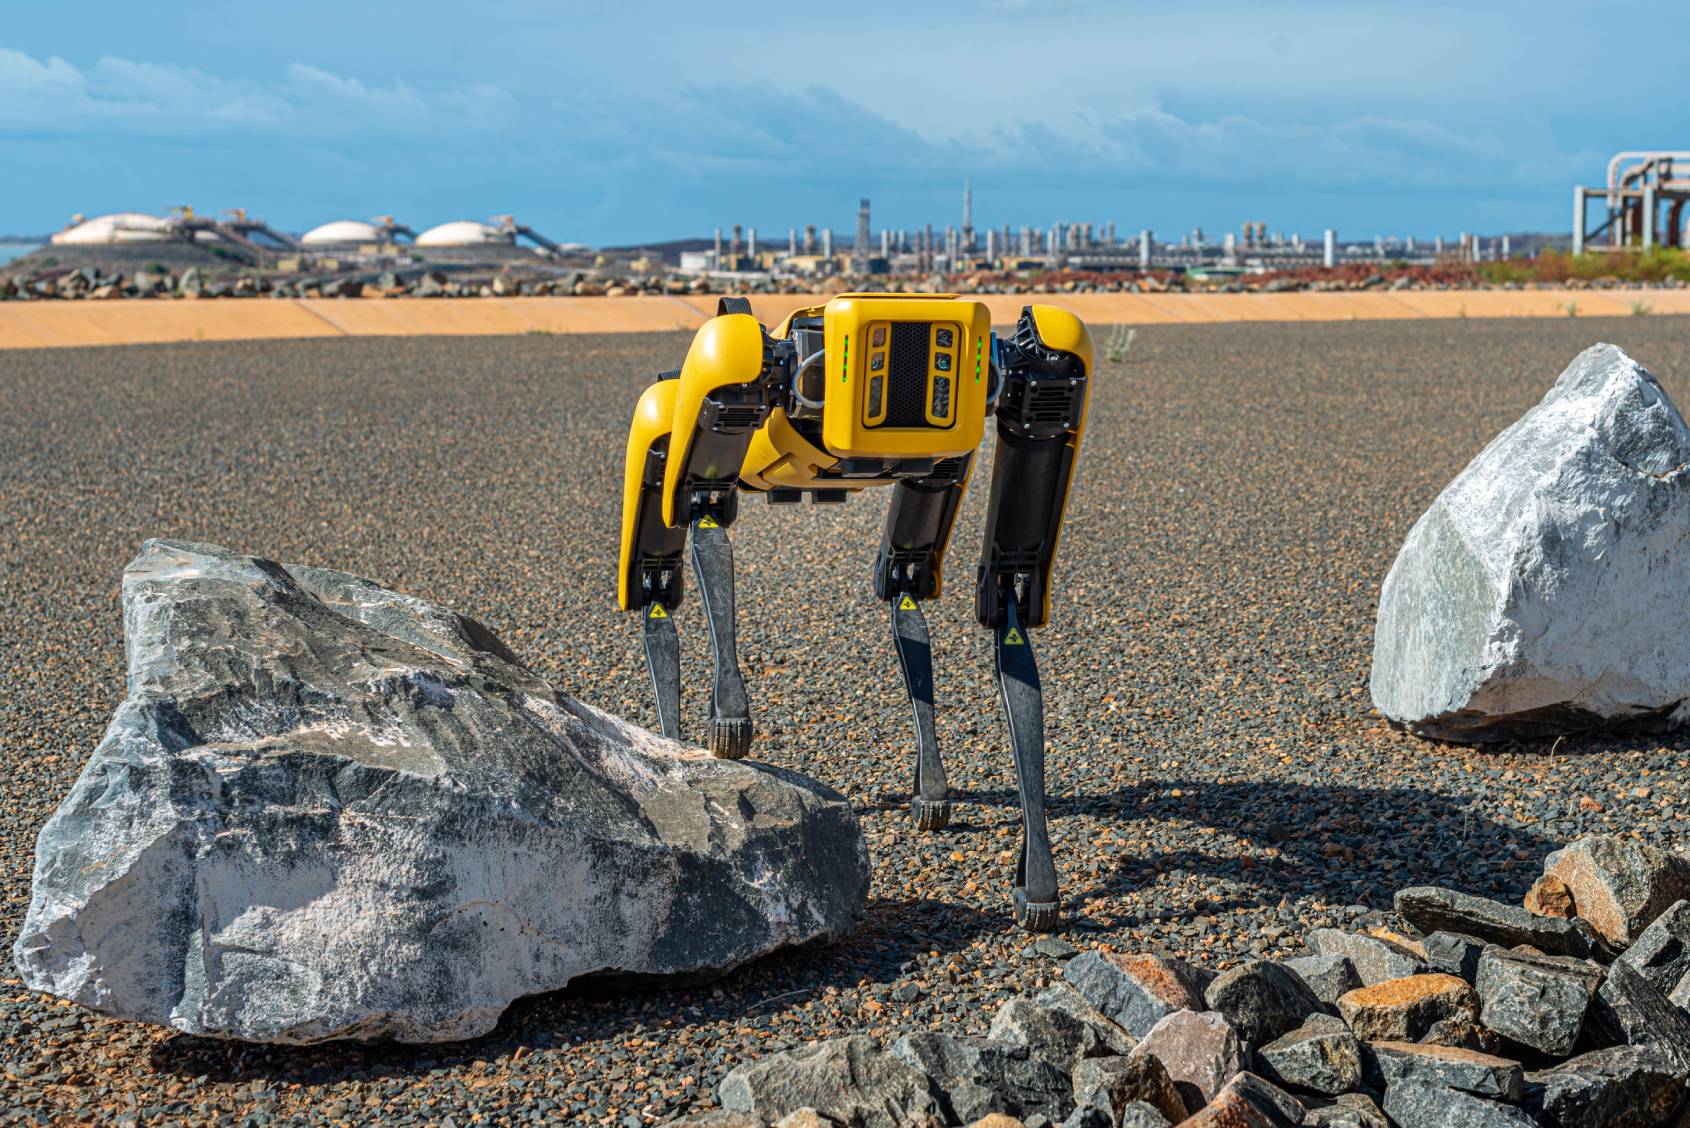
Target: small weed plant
x=1119, y=344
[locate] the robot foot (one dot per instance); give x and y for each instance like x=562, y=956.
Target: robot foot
x=1036, y=916
x=930, y=814
x=730, y=738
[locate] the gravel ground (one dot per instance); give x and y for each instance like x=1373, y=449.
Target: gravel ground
x=1220, y=781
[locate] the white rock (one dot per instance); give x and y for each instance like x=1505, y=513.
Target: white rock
x=329, y=810
x=1543, y=591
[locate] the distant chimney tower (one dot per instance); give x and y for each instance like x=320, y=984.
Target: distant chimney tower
x=809, y=238
x=792, y=241
x=967, y=215
x=860, y=248
x=716, y=255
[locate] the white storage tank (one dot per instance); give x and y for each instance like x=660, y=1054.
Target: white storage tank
x=467, y=233
x=345, y=233
x=120, y=227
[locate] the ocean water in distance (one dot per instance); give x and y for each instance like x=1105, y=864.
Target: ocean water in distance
x=10, y=251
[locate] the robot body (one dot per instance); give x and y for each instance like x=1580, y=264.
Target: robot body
x=870, y=390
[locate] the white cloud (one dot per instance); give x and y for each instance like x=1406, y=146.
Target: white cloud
x=311, y=86
x=21, y=74
x=126, y=97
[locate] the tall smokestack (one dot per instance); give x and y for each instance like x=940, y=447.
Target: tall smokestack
x=1144, y=249
x=751, y=243
x=716, y=255
x=1329, y=256
x=860, y=249
x=967, y=215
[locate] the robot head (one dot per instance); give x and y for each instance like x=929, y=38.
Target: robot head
x=906, y=375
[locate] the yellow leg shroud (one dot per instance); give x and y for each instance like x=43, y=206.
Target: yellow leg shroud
x=685, y=439
x=714, y=413
x=647, y=540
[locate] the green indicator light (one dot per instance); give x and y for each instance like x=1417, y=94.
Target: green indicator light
x=978, y=346
x=845, y=368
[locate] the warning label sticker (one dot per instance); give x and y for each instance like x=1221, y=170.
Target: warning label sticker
x=657, y=612
x=708, y=523
x=1013, y=638
x=906, y=604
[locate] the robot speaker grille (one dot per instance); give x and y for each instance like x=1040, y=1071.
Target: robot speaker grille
x=906, y=404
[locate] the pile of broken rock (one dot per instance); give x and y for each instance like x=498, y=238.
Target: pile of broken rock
x=1464, y=1011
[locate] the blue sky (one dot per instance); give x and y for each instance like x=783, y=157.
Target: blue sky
x=617, y=122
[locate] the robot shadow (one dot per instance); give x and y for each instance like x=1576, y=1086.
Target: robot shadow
x=605, y=1014
x=1260, y=842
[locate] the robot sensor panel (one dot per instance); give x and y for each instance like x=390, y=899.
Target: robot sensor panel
x=907, y=375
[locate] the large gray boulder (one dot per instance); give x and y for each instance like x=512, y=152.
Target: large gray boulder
x=1535, y=596
x=328, y=810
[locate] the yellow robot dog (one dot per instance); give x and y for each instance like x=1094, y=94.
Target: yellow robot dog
x=868, y=390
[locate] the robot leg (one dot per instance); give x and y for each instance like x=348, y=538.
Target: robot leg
x=650, y=575
x=730, y=709
x=1037, y=904
x=1041, y=416
x=726, y=388
x=908, y=570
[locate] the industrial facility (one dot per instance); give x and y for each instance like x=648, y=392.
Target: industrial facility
x=1643, y=203
x=184, y=238
x=1643, y=199
x=249, y=240
x=1065, y=246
